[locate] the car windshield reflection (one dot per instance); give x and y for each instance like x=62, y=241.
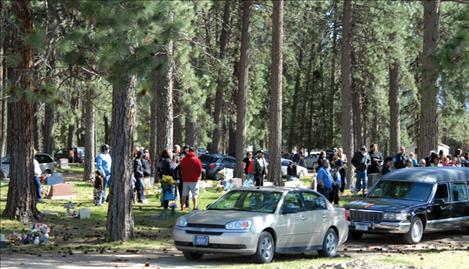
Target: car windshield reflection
x=402, y=190
x=252, y=201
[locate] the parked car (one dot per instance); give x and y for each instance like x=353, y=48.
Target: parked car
x=311, y=161
x=213, y=163
x=78, y=155
x=300, y=170
x=46, y=162
x=412, y=201
x=263, y=222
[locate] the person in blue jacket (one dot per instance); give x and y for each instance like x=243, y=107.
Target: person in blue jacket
x=324, y=179
x=103, y=166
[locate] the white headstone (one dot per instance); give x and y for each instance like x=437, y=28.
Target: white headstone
x=85, y=213
x=64, y=164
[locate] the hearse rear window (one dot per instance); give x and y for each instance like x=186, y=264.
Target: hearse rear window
x=459, y=192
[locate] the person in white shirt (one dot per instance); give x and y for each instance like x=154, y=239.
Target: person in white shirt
x=37, y=178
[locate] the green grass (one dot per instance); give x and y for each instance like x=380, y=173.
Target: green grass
x=152, y=231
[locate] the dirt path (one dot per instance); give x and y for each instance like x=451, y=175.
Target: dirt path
x=359, y=251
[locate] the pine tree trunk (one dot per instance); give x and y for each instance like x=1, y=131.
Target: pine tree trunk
x=333, y=89
x=291, y=133
x=191, y=127
x=163, y=92
x=305, y=125
x=120, y=223
x=428, y=126
x=275, y=124
x=21, y=198
x=48, y=135
x=394, y=108
x=346, y=74
x=36, y=128
x=242, y=90
x=71, y=136
x=357, y=116
x=2, y=82
x=221, y=81
x=177, y=124
x=106, y=129
x=89, y=134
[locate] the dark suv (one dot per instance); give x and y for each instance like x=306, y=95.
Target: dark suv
x=413, y=200
x=214, y=163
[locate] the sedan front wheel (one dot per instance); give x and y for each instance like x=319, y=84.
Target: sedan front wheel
x=265, y=248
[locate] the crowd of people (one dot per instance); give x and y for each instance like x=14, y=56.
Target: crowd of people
x=179, y=173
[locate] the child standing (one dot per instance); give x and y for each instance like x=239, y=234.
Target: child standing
x=98, y=193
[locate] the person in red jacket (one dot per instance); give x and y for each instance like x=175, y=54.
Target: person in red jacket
x=191, y=171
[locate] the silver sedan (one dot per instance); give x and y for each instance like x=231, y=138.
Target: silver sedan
x=262, y=222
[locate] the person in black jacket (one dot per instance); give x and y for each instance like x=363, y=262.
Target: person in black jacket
x=400, y=158
x=164, y=169
x=387, y=166
x=374, y=170
x=361, y=161
x=139, y=174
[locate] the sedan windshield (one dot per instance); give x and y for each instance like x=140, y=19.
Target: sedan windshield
x=402, y=190
x=253, y=201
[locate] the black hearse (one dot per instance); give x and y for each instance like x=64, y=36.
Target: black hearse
x=413, y=200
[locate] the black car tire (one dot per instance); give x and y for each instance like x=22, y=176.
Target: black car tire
x=415, y=231
x=329, y=244
x=192, y=256
x=265, y=248
x=356, y=235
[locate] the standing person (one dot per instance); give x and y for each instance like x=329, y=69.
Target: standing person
x=98, y=189
x=374, y=170
x=387, y=166
x=175, y=165
x=37, y=178
x=413, y=160
x=248, y=169
x=301, y=162
x=164, y=169
x=146, y=163
x=361, y=161
x=103, y=165
x=336, y=183
x=343, y=172
x=400, y=158
x=324, y=179
x=191, y=171
x=260, y=168
x=139, y=174
x=321, y=158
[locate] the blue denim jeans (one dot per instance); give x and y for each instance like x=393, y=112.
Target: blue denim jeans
x=37, y=184
x=107, y=184
x=361, y=176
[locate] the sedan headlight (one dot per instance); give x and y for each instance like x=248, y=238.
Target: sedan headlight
x=239, y=225
x=181, y=222
x=395, y=216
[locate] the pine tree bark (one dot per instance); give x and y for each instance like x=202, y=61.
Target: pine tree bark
x=120, y=223
x=242, y=90
x=89, y=134
x=2, y=81
x=428, y=125
x=275, y=124
x=221, y=81
x=291, y=133
x=394, y=108
x=333, y=89
x=163, y=97
x=177, y=124
x=71, y=136
x=190, y=127
x=346, y=75
x=21, y=198
x=106, y=129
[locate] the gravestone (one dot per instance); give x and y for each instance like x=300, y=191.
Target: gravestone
x=64, y=164
x=60, y=191
x=55, y=178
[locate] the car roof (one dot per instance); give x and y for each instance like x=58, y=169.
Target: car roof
x=429, y=174
x=271, y=188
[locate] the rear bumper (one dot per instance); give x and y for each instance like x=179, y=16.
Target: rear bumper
x=242, y=243
x=382, y=227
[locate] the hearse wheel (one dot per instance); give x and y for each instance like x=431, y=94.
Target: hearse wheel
x=329, y=245
x=265, y=248
x=192, y=256
x=415, y=232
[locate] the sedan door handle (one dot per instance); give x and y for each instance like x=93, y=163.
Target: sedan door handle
x=303, y=218
x=324, y=216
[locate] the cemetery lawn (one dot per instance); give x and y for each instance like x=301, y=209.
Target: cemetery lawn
x=152, y=230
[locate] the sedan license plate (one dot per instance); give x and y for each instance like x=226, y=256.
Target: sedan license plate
x=200, y=240
x=361, y=226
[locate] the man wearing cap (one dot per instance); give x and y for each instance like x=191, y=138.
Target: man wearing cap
x=260, y=168
x=361, y=160
x=103, y=165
